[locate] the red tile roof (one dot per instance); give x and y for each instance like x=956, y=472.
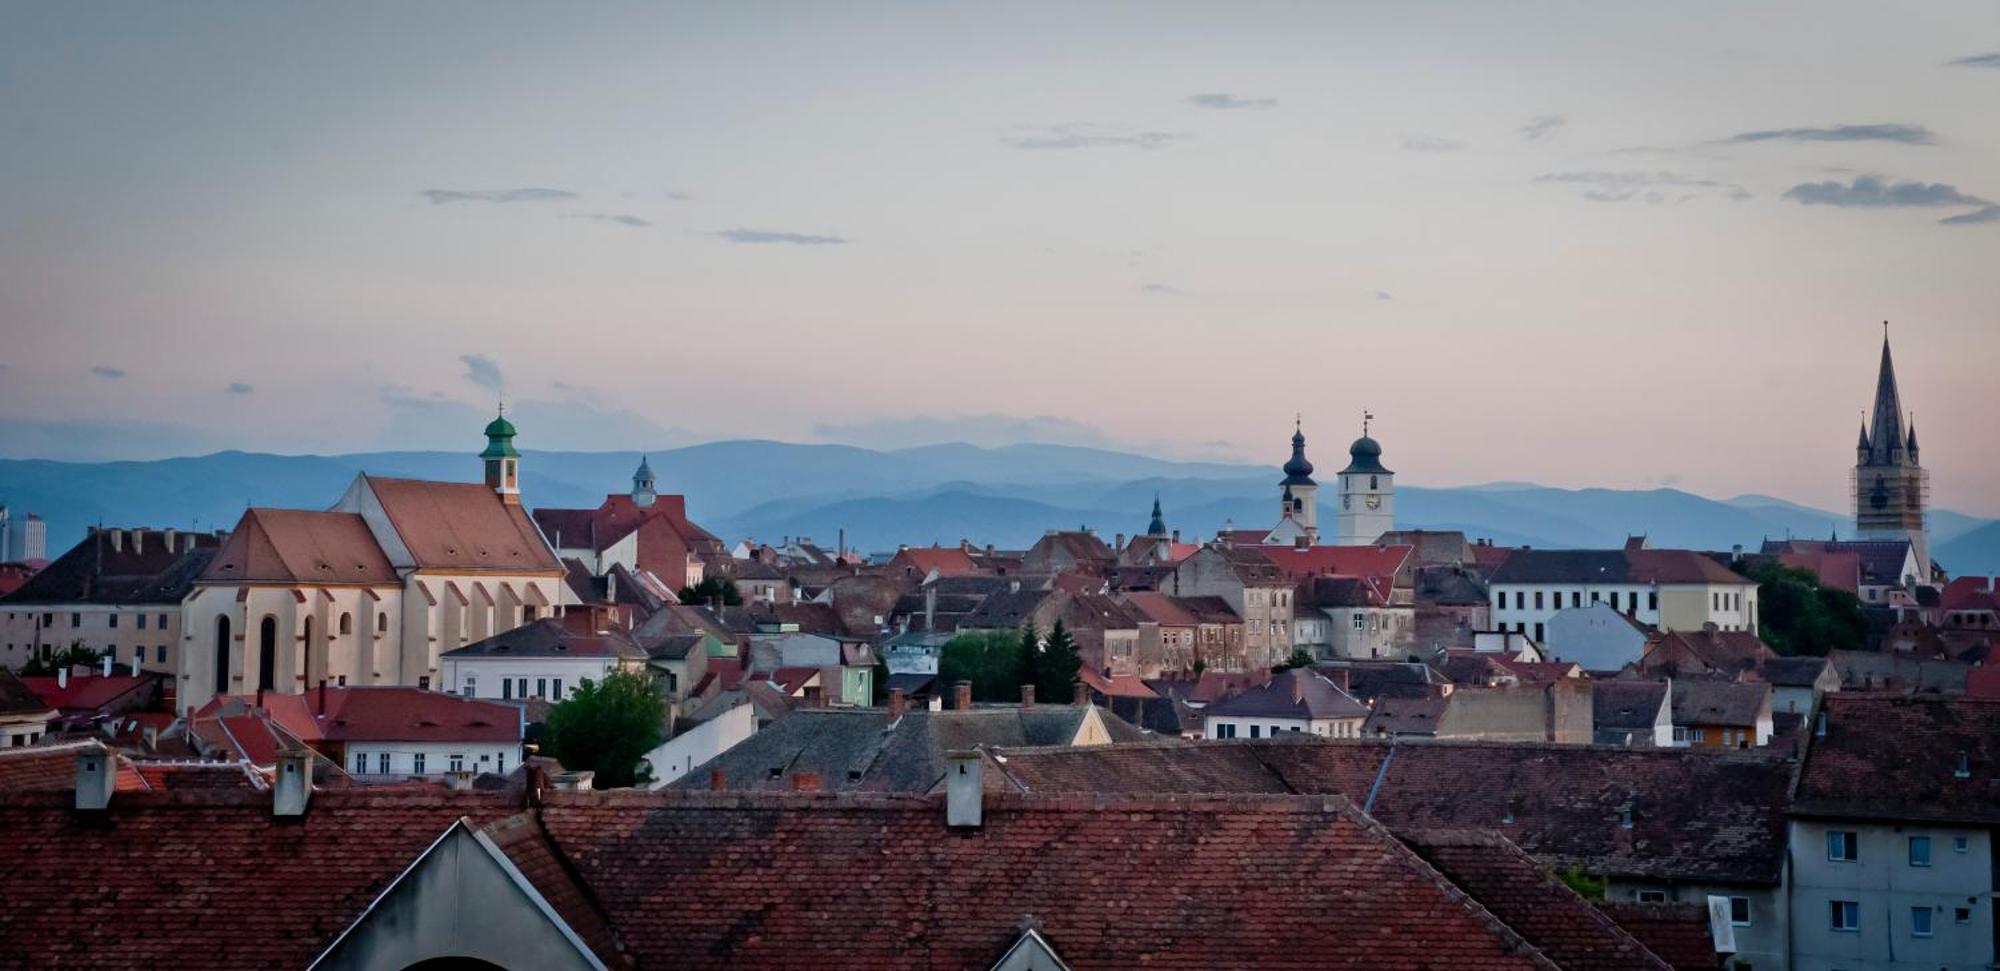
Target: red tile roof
x=1348, y=561
x=362, y=714
x=52, y=768
x=219, y=881
x=1899, y=758
x=924, y=897
x=88, y=692
x=1677, y=932
x=462, y=526
x=300, y=546
x=948, y=561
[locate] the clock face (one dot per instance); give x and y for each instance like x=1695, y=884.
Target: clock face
x=1374, y=502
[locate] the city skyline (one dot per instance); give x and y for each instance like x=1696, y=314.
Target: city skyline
x=1539, y=246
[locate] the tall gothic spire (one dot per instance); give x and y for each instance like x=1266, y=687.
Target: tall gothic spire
x=1886, y=429
x=1158, y=527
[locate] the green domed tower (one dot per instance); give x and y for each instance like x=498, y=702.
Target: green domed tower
x=503, y=463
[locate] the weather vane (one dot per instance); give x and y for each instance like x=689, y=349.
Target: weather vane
x=1366, y=417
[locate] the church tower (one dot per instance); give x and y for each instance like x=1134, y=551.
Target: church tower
x=1367, y=492
x=1298, y=490
x=643, y=492
x=1156, y=527
x=503, y=464
x=1890, y=487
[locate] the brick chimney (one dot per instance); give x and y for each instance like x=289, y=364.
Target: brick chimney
x=1081, y=695
x=961, y=696
x=964, y=796
x=899, y=702
x=806, y=782
x=96, y=777
x=292, y=788
x=1027, y=696
x=717, y=779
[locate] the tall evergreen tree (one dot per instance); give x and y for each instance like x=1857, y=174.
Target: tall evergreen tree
x=1031, y=649
x=1056, y=665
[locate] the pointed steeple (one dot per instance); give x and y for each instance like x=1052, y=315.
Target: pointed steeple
x=643, y=492
x=1911, y=445
x=1886, y=429
x=1158, y=527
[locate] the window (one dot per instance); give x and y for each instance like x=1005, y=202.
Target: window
x=140, y=622
x=528, y=614
x=1920, y=851
x=1961, y=915
x=471, y=686
x=556, y=683
x=1652, y=600
x=1576, y=598
x=1538, y=631
x=458, y=762
x=1538, y=600
x=1920, y=922
x=381, y=623
x=1844, y=915
x=500, y=763
x=417, y=763
x=506, y=688
x=521, y=687
x=1739, y=911
x=1959, y=844
x=163, y=621
x=1594, y=596
x=161, y=654
x=1225, y=731
x=1357, y=621
x=111, y=621
x=1253, y=730
x=1650, y=896
x=76, y=620
x=347, y=623
x=382, y=763
x=541, y=687
x=1840, y=846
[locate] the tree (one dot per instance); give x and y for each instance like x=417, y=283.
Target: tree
x=75, y=655
x=991, y=659
x=608, y=727
x=711, y=589
x=1053, y=669
x=1301, y=658
x=1798, y=616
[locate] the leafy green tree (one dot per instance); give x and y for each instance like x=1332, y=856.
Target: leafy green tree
x=608, y=727
x=712, y=589
x=1585, y=885
x=991, y=659
x=1053, y=669
x=1798, y=616
x=1301, y=658
x=72, y=656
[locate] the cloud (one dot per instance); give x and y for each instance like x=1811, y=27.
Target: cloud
x=439, y=197
x=1901, y=134
x=1987, y=214
x=1542, y=127
x=1087, y=136
x=679, y=196
x=756, y=236
x=613, y=217
x=481, y=370
x=1431, y=143
x=1384, y=295
x=1976, y=60
x=1162, y=288
x=108, y=372
x=1652, y=187
x=1229, y=102
x=433, y=422
x=238, y=387
x=1873, y=192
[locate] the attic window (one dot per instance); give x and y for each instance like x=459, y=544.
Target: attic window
x=777, y=771
x=1964, y=770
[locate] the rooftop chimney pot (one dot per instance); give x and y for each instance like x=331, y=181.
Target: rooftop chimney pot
x=899, y=702
x=292, y=788
x=964, y=796
x=961, y=696
x=95, y=778
x=1027, y=696
x=1081, y=695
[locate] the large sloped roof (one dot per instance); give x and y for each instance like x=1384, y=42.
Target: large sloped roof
x=300, y=546
x=451, y=526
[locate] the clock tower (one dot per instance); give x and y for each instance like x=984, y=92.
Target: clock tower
x=1367, y=493
x=1890, y=487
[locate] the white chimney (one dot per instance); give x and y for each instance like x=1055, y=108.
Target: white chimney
x=964, y=797
x=96, y=777
x=292, y=788
x=117, y=540
x=62, y=676
x=168, y=537
x=107, y=664
x=139, y=541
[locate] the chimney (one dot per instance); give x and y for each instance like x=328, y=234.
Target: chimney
x=1177, y=537
x=459, y=781
x=138, y=541
x=169, y=536
x=1117, y=541
x=806, y=782
x=117, y=540
x=107, y=665
x=1080, y=696
x=1014, y=586
x=1027, y=696
x=292, y=788
x=96, y=777
x=961, y=696
x=62, y=677
x=611, y=586
x=717, y=779
x=964, y=797
x=899, y=702
x=930, y=608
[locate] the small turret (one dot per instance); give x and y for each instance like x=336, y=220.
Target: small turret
x=643, y=492
x=503, y=463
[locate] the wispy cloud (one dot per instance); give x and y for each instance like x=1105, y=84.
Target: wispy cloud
x=757, y=236
x=1873, y=191
x=1087, y=136
x=679, y=196
x=1541, y=128
x=238, y=387
x=440, y=197
x=1902, y=134
x=1976, y=60
x=107, y=372
x=1987, y=214
x=1431, y=143
x=1163, y=289
x=1652, y=187
x=482, y=370
x=1384, y=295
x=1227, y=102
x=613, y=217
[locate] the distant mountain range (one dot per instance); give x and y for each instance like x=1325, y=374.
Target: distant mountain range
x=1006, y=496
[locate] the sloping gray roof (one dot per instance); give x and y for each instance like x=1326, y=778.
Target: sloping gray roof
x=1731, y=703
x=1795, y=672
x=549, y=637
x=1297, y=693
x=1627, y=705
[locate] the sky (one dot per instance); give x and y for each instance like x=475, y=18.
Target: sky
x=1630, y=245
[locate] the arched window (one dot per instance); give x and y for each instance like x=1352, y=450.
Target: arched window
x=346, y=624
x=221, y=655
x=267, y=653
x=381, y=623
x=1373, y=483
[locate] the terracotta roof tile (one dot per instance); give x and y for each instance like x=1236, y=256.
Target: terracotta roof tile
x=462, y=526
x=300, y=546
